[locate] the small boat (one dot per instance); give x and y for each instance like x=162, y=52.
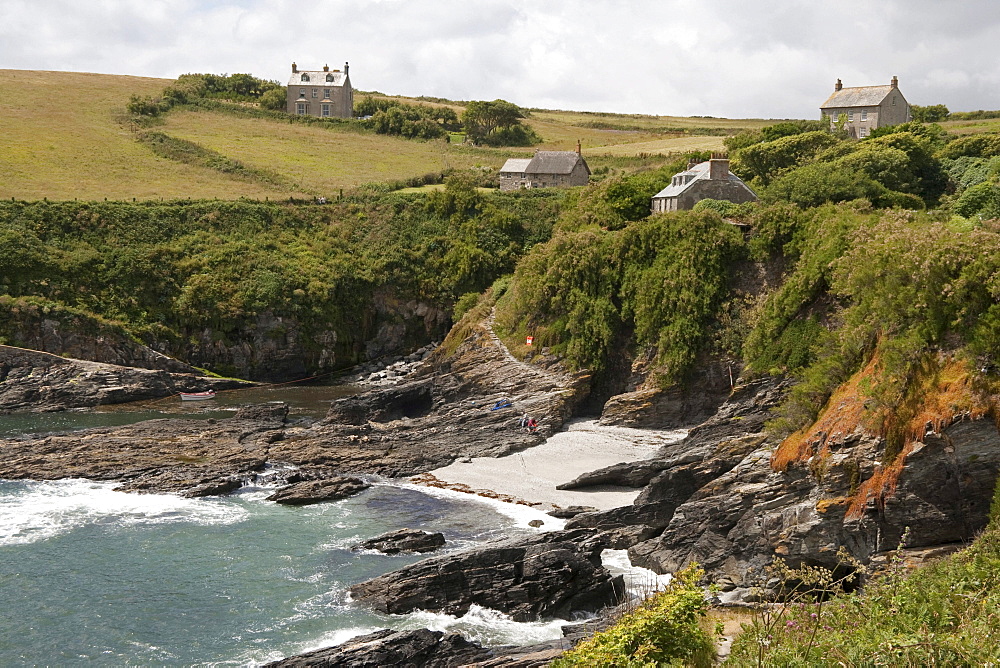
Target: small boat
x=197, y=396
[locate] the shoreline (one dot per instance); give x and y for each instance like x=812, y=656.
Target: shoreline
x=529, y=477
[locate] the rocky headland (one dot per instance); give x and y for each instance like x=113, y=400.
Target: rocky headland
x=727, y=496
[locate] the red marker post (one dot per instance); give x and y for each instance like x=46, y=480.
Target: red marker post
x=529, y=340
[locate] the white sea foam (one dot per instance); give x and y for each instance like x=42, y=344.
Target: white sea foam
x=32, y=511
x=639, y=582
x=521, y=514
x=485, y=626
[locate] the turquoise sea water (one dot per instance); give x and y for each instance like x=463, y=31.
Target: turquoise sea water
x=90, y=576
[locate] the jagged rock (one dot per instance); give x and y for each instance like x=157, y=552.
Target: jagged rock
x=317, y=491
x=404, y=540
x=170, y=455
x=38, y=382
x=214, y=487
x=571, y=511
x=717, y=500
x=423, y=648
x=551, y=574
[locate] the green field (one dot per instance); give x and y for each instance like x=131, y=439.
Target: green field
x=64, y=135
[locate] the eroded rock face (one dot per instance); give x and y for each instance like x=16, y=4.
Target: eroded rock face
x=316, y=491
x=715, y=499
x=37, y=382
x=404, y=540
x=432, y=649
x=552, y=574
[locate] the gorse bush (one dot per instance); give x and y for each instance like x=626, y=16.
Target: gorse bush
x=666, y=629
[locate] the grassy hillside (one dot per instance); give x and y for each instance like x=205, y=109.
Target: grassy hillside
x=52, y=148
x=59, y=139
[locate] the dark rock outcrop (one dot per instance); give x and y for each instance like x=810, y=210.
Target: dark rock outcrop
x=37, y=382
x=551, y=574
x=195, y=457
x=420, y=648
x=404, y=540
x=316, y=491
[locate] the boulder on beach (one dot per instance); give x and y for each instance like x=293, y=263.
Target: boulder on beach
x=317, y=491
x=404, y=540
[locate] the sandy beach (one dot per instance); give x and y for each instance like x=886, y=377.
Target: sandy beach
x=532, y=475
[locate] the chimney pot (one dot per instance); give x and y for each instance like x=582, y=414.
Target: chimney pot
x=326, y=68
x=346, y=67
x=295, y=68
x=579, y=149
x=838, y=85
x=895, y=82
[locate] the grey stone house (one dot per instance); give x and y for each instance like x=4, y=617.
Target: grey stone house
x=706, y=180
x=322, y=93
x=866, y=107
x=547, y=169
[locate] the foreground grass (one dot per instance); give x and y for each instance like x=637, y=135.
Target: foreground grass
x=945, y=614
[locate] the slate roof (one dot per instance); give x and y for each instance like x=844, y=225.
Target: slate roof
x=858, y=96
x=518, y=165
x=546, y=162
x=317, y=78
x=690, y=176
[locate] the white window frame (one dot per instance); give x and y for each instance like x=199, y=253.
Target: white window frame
x=850, y=116
x=300, y=108
x=324, y=110
x=864, y=114
x=326, y=93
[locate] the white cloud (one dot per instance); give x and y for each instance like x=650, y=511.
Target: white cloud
x=714, y=57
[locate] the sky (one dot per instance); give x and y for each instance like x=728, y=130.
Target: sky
x=724, y=58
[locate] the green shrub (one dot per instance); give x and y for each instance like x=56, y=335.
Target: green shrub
x=665, y=629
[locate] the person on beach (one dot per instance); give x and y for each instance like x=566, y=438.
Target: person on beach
x=532, y=425
x=524, y=421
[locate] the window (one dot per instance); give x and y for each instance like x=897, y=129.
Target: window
x=850, y=117
x=894, y=100
x=300, y=108
x=326, y=94
x=315, y=93
x=302, y=92
x=862, y=132
x=864, y=114
x=305, y=77
x=325, y=110
x=329, y=77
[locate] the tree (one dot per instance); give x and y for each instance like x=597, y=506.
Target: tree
x=494, y=122
x=930, y=114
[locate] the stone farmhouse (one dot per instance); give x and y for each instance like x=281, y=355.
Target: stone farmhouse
x=322, y=93
x=547, y=169
x=867, y=107
x=706, y=180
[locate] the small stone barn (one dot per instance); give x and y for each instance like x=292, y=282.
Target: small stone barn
x=322, y=93
x=547, y=169
x=706, y=180
x=865, y=108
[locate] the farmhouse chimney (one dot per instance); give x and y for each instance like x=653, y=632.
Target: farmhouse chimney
x=579, y=149
x=838, y=85
x=895, y=82
x=718, y=169
x=326, y=68
x=347, y=66
x=295, y=68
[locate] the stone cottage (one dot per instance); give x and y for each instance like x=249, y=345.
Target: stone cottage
x=866, y=107
x=706, y=180
x=547, y=169
x=322, y=93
